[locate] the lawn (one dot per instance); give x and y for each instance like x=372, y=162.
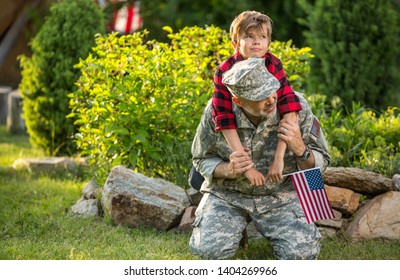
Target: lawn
x=36, y=224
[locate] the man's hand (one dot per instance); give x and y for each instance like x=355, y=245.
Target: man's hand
x=239, y=163
x=291, y=134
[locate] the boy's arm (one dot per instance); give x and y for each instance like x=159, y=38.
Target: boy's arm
x=288, y=101
x=276, y=168
x=222, y=104
x=275, y=172
x=232, y=137
x=255, y=177
x=224, y=120
x=288, y=106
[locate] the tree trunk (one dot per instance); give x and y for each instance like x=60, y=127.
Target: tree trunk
x=358, y=180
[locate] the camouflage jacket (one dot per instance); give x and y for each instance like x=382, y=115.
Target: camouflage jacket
x=209, y=148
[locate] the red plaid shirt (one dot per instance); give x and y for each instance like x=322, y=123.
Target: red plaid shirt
x=222, y=102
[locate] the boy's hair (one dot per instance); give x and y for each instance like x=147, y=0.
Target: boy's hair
x=243, y=21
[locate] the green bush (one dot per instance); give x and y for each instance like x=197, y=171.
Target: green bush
x=138, y=102
x=49, y=74
x=296, y=62
x=355, y=44
x=359, y=137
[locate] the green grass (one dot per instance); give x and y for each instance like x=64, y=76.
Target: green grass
x=13, y=147
x=35, y=224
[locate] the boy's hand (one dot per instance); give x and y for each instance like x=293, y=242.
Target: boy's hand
x=256, y=178
x=275, y=171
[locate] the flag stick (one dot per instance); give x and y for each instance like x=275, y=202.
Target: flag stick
x=284, y=175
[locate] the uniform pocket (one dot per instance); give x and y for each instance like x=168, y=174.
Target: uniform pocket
x=197, y=221
x=195, y=240
x=199, y=210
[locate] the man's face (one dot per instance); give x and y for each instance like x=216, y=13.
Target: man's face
x=254, y=43
x=265, y=108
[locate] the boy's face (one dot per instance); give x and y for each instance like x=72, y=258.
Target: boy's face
x=254, y=43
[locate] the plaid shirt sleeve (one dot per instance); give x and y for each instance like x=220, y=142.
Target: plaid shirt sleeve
x=222, y=99
x=288, y=101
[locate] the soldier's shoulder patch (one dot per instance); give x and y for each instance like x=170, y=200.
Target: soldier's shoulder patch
x=316, y=128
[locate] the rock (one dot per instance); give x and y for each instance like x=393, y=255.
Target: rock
x=86, y=207
x=134, y=200
x=327, y=232
x=344, y=200
x=46, y=165
x=91, y=190
x=335, y=223
x=377, y=219
x=187, y=219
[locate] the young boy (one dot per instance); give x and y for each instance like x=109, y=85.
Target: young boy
x=251, y=36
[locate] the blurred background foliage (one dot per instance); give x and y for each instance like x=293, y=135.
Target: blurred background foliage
x=354, y=42
x=356, y=50
x=139, y=96
x=181, y=13
x=138, y=104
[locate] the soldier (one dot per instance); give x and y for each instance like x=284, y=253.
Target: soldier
x=229, y=200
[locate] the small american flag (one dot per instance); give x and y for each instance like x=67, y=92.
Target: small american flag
x=311, y=192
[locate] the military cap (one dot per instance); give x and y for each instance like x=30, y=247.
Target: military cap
x=250, y=79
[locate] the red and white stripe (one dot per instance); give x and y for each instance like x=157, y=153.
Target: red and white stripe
x=315, y=203
x=127, y=19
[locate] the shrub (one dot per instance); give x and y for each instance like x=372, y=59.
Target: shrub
x=296, y=62
x=355, y=45
x=48, y=75
x=359, y=137
x=138, y=102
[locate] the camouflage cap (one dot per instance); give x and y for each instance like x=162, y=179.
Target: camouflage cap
x=250, y=79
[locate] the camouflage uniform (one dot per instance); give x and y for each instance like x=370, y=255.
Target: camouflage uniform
x=228, y=203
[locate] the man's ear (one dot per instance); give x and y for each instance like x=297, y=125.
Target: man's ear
x=236, y=100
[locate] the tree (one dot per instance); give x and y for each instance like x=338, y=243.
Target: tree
x=181, y=13
x=356, y=50
x=48, y=76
